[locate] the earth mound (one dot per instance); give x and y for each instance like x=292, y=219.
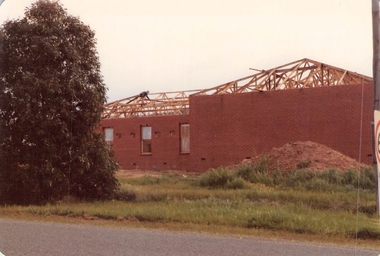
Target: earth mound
x=306, y=155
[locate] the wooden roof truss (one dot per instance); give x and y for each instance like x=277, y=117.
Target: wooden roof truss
x=304, y=73
x=155, y=104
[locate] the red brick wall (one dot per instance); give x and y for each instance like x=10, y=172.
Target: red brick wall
x=225, y=129
x=165, y=142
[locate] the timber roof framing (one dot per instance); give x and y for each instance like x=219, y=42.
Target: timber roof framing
x=154, y=104
x=303, y=73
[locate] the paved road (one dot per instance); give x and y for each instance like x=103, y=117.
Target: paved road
x=41, y=238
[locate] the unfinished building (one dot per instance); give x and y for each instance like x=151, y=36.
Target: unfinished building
x=201, y=129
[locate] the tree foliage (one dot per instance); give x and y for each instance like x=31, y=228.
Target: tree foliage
x=51, y=99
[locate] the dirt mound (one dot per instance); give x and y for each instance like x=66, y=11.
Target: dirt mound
x=306, y=155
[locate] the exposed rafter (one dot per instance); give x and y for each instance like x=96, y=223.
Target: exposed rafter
x=304, y=73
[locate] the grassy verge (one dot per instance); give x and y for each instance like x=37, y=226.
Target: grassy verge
x=251, y=200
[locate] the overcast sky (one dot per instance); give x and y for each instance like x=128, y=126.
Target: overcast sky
x=176, y=45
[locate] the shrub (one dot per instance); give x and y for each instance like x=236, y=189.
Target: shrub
x=332, y=176
x=298, y=178
x=368, y=178
x=350, y=177
x=216, y=178
x=245, y=172
x=262, y=165
x=318, y=184
x=263, y=178
x=237, y=183
x=258, y=172
x=278, y=178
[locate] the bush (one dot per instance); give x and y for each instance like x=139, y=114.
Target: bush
x=304, y=179
x=332, y=176
x=245, y=172
x=318, y=184
x=368, y=178
x=262, y=165
x=278, y=178
x=262, y=178
x=350, y=177
x=258, y=172
x=237, y=183
x=216, y=178
x=298, y=178
x=222, y=178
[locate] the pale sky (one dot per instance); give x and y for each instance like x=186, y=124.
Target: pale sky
x=178, y=45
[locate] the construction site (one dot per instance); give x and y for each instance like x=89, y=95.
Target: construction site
x=196, y=130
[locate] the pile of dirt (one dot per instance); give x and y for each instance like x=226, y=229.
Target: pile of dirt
x=306, y=155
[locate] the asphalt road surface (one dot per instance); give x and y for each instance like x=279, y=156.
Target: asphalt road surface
x=41, y=238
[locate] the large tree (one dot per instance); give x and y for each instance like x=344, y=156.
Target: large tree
x=51, y=99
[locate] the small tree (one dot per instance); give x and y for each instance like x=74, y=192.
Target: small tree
x=51, y=99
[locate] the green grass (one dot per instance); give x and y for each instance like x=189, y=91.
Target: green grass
x=320, y=204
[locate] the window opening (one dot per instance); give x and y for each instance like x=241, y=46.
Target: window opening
x=108, y=136
x=108, y=133
x=146, y=139
x=185, y=138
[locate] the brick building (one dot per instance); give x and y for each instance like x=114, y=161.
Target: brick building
x=202, y=129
